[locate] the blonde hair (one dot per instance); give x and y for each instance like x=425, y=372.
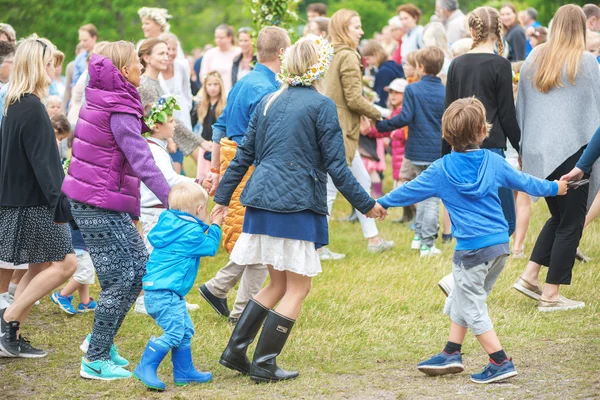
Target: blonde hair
x=29, y=74
x=298, y=59
x=435, y=35
x=53, y=100
x=205, y=100
x=564, y=49
x=270, y=41
x=186, y=197
x=463, y=122
x=486, y=23
x=338, y=27
x=119, y=53
x=461, y=46
x=375, y=49
x=593, y=41
x=59, y=58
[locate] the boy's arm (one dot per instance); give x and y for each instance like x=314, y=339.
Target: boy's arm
x=401, y=120
x=531, y=185
x=425, y=186
x=208, y=243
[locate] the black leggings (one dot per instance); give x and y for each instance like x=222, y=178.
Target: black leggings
x=558, y=241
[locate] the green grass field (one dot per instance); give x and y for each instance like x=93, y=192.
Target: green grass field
x=366, y=324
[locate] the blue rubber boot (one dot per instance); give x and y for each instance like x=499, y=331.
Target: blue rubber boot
x=184, y=371
x=146, y=369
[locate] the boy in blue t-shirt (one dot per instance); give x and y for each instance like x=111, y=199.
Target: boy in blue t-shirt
x=467, y=181
x=179, y=241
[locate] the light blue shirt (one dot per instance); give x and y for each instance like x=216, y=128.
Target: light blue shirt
x=412, y=41
x=79, y=67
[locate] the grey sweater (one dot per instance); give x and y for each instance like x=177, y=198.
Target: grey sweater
x=555, y=125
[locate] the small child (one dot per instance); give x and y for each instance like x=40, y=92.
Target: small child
x=461, y=46
x=410, y=67
x=422, y=112
x=467, y=181
x=539, y=36
x=150, y=206
x=593, y=44
x=179, y=242
x=85, y=274
x=53, y=106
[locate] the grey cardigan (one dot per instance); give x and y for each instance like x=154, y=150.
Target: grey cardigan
x=555, y=125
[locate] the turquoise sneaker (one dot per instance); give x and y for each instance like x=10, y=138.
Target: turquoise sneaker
x=104, y=370
x=114, y=353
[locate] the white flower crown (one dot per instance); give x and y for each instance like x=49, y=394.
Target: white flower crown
x=316, y=71
x=160, y=15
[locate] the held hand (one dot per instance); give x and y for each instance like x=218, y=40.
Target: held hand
x=207, y=184
x=563, y=187
x=215, y=179
x=575, y=175
x=219, y=212
x=377, y=212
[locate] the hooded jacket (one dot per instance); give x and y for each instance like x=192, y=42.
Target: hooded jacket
x=179, y=241
x=468, y=185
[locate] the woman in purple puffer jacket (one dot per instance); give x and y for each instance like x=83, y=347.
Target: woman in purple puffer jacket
x=110, y=156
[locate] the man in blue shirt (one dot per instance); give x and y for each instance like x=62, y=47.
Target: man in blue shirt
x=531, y=23
x=228, y=132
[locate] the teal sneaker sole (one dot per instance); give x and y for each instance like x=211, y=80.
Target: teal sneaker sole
x=85, y=375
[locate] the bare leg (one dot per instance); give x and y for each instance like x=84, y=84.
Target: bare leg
x=5, y=276
x=490, y=342
x=532, y=272
x=271, y=294
x=551, y=292
x=84, y=293
x=457, y=333
x=70, y=288
x=523, y=205
x=297, y=288
x=18, y=275
x=593, y=211
x=447, y=223
x=37, y=285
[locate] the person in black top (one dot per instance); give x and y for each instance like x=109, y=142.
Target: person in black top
x=33, y=210
x=515, y=38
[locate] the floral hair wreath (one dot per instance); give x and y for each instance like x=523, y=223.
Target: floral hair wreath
x=160, y=15
x=162, y=110
x=316, y=71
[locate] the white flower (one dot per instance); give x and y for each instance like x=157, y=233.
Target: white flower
x=269, y=17
x=264, y=8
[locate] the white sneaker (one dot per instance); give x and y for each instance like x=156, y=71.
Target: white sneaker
x=190, y=307
x=327, y=255
x=139, y=306
x=447, y=284
x=427, y=251
x=5, y=300
x=416, y=243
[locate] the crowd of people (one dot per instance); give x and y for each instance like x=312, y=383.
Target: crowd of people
x=476, y=112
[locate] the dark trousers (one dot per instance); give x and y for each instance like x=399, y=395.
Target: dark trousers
x=120, y=257
x=558, y=241
x=507, y=201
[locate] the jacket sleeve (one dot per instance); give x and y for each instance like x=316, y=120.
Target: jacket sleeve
x=415, y=191
x=331, y=145
x=244, y=158
x=403, y=119
x=351, y=81
x=208, y=244
x=42, y=153
x=127, y=132
x=591, y=154
x=449, y=99
x=516, y=180
x=506, y=105
x=219, y=127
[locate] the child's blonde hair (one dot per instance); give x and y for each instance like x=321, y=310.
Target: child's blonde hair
x=120, y=53
x=593, y=42
x=461, y=46
x=29, y=74
x=187, y=196
x=486, y=23
x=205, y=100
x=463, y=123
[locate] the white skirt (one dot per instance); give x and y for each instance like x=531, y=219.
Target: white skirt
x=5, y=265
x=292, y=255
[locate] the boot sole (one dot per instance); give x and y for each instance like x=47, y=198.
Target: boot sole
x=149, y=386
x=260, y=379
x=181, y=384
x=234, y=367
x=445, y=370
x=212, y=305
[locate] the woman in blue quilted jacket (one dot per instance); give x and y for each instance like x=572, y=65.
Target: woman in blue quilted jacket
x=294, y=140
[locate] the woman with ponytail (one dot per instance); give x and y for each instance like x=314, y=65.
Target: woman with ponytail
x=487, y=76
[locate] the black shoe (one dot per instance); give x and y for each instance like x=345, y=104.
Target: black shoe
x=220, y=305
x=351, y=218
x=446, y=238
x=275, y=332
x=233, y=321
x=234, y=357
x=9, y=343
x=28, y=351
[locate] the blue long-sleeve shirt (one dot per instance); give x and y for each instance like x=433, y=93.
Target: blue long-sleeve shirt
x=241, y=103
x=468, y=185
x=591, y=154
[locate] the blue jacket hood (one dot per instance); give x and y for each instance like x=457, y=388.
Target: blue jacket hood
x=174, y=226
x=469, y=173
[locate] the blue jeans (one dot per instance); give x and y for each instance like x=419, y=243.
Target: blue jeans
x=507, y=201
x=170, y=313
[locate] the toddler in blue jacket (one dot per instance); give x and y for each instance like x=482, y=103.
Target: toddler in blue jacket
x=180, y=239
x=422, y=112
x=467, y=181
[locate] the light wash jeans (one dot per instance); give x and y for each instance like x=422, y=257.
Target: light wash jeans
x=170, y=313
x=428, y=214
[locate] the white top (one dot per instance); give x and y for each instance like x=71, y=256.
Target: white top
x=220, y=61
x=162, y=159
x=179, y=85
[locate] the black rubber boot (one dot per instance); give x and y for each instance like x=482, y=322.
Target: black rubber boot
x=272, y=339
x=234, y=357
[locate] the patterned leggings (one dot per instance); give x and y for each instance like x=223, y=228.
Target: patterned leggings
x=120, y=257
